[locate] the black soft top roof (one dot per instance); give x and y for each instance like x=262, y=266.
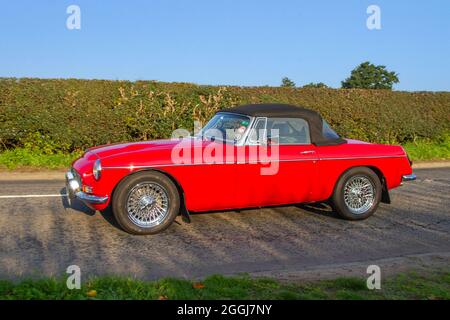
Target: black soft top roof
x=275, y=110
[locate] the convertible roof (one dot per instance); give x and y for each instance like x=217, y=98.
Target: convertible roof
x=275, y=110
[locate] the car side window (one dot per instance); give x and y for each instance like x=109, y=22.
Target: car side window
x=289, y=130
x=328, y=132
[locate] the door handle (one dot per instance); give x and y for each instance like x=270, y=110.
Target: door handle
x=307, y=152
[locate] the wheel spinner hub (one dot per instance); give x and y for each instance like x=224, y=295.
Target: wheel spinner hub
x=146, y=201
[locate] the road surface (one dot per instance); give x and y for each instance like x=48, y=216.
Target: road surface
x=42, y=236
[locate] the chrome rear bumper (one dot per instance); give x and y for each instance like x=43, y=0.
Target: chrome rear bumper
x=409, y=177
x=73, y=189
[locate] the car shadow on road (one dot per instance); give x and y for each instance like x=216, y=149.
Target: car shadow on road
x=79, y=206
x=109, y=217
x=76, y=204
x=321, y=208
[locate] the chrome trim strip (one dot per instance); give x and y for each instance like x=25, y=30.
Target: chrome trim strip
x=409, y=177
x=257, y=162
x=204, y=164
x=361, y=158
x=162, y=165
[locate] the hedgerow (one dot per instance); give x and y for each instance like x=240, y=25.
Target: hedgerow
x=55, y=115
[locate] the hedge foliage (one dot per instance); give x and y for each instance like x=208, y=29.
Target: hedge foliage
x=70, y=115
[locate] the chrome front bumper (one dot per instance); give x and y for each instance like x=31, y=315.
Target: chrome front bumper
x=73, y=189
x=409, y=177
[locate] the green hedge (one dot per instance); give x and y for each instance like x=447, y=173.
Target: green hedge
x=70, y=115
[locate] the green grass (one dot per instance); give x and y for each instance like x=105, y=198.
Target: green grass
x=428, y=150
x=434, y=285
x=26, y=158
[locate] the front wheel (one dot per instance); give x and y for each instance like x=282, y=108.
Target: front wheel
x=146, y=203
x=357, y=194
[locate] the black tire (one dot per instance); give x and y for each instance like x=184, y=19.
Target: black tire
x=338, y=198
x=122, y=193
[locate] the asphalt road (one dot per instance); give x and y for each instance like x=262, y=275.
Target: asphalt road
x=41, y=236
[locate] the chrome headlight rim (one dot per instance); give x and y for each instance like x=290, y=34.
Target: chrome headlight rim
x=97, y=169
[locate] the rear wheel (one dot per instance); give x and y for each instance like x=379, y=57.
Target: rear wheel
x=357, y=194
x=146, y=203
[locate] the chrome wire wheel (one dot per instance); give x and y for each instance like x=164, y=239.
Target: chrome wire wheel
x=147, y=204
x=359, y=194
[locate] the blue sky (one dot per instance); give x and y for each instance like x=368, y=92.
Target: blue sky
x=246, y=42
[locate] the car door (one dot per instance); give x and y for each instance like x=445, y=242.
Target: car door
x=288, y=172
x=209, y=180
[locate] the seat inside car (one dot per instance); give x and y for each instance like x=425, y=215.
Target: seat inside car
x=283, y=131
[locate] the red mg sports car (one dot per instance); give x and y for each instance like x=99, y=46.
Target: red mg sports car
x=248, y=156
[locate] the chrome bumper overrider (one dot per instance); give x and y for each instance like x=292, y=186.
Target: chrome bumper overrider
x=73, y=189
x=409, y=177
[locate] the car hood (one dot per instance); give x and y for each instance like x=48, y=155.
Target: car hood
x=109, y=150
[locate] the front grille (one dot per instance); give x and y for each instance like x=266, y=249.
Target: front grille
x=77, y=176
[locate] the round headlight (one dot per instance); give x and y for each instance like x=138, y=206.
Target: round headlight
x=97, y=170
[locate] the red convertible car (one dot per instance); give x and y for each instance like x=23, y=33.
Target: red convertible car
x=248, y=156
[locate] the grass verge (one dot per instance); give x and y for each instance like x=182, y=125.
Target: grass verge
x=429, y=150
x=26, y=158
x=434, y=285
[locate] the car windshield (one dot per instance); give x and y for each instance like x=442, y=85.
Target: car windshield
x=226, y=127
